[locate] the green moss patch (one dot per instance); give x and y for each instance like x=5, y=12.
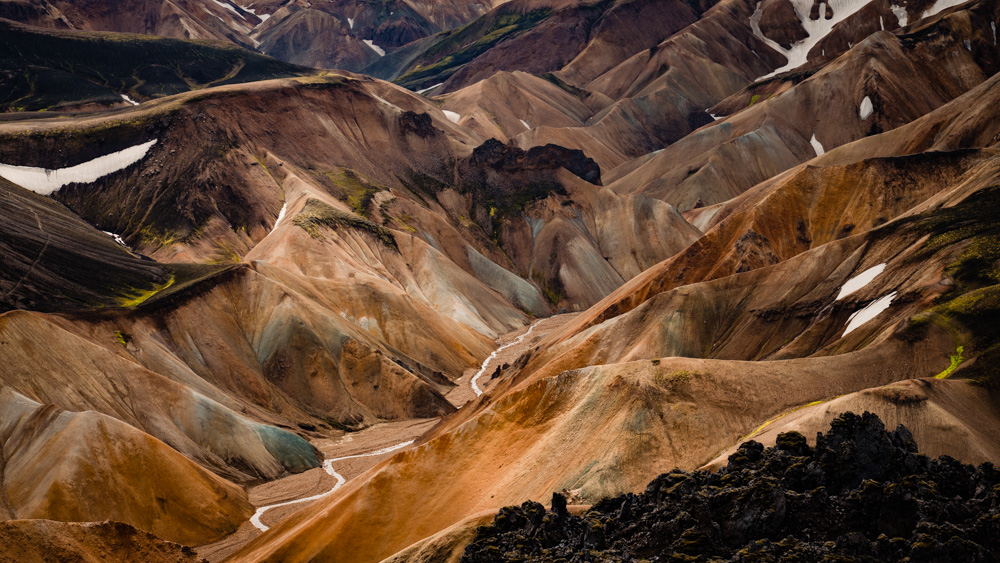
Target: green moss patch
x=317, y=215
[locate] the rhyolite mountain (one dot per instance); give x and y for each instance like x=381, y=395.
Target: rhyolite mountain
x=267, y=255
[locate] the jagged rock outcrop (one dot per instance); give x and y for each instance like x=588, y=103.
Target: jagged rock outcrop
x=861, y=493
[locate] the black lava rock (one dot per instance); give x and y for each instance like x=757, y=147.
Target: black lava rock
x=862, y=494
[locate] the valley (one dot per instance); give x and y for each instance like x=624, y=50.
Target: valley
x=431, y=281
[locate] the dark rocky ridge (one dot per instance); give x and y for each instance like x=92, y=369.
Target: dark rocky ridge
x=862, y=494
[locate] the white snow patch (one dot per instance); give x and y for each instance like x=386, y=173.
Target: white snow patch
x=868, y=313
x=968, y=45
x=940, y=6
x=44, y=181
x=866, y=108
x=525, y=123
x=816, y=29
x=281, y=215
x=129, y=100
x=229, y=7
x=452, y=116
x=817, y=146
x=376, y=48
x=486, y=363
x=328, y=467
x=429, y=88
x=350, y=22
x=386, y=102
x=859, y=281
x=993, y=26
x=118, y=239
x=881, y=24
x=900, y=13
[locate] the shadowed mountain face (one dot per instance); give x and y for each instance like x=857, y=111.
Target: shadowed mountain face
x=284, y=314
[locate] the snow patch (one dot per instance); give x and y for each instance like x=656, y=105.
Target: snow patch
x=429, y=88
x=328, y=467
x=378, y=50
x=452, y=116
x=129, y=100
x=281, y=215
x=118, y=239
x=940, y=6
x=815, y=30
x=866, y=108
x=868, y=313
x=44, y=181
x=350, y=22
x=230, y=8
x=881, y=24
x=817, y=146
x=993, y=26
x=900, y=13
x=525, y=123
x=859, y=281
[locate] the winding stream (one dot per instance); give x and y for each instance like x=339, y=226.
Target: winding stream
x=486, y=363
x=328, y=467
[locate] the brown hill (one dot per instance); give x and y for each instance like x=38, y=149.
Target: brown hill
x=86, y=467
x=37, y=541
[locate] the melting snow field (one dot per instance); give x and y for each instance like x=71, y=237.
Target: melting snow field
x=486, y=363
x=452, y=116
x=129, y=100
x=281, y=215
x=816, y=145
x=940, y=6
x=859, y=281
x=229, y=7
x=350, y=22
x=816, y=30
x=868, y=313
x=900, y=13
x=866, y=108
x=328, y=467
x=118, y=239
x=376, y=48
x=525, y=123
x=429, y=88
x=45, y=182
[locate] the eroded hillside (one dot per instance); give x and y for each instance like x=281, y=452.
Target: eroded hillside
x=279, y=313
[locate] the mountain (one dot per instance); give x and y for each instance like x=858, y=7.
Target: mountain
x=535, y=254
x=344, y=34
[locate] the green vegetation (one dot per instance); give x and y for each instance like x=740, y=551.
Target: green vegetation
x=970, y=233
x=674, y=377
x=49, y=70
x=140, y=296
x=553, y=289
x=956, y=360
x=123, y=338
x=457, y=47
x=317, y=214
x=354, y=190
x=576, y=92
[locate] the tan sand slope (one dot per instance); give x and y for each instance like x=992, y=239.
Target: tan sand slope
x=82, y=467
